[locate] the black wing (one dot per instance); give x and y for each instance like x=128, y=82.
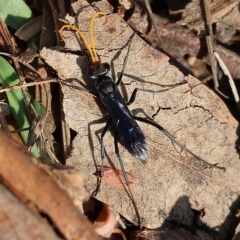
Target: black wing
x=128, y=129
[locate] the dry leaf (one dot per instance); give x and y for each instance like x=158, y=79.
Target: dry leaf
x=105, y=222
x=114, y=177
x=164, y=234
x=31, y=182
x=192, y=14
x=171, y=182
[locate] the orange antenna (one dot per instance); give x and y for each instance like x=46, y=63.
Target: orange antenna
x=91, y=31
x=91, y=48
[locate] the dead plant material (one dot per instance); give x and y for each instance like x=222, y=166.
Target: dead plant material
x=18, y=221
x=114, y=177
x=171, y=183
x=164, y=234
x=28, y=180
x=178, y=41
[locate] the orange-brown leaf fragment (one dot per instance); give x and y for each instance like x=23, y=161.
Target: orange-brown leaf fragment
x=114, y=177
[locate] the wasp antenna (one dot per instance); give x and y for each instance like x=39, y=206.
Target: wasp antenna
x=96, y=59
x=81, y=36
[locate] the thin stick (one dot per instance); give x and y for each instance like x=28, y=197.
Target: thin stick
x=211, y=46
x=149, y=9
x=3, y=123
x=19, y=60
x=28, y=85
x=231, y=82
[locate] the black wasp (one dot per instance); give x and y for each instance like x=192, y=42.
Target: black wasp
x=124, y=121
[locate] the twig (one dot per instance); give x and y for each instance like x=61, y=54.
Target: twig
x=28, y=85
x=48, y=197
x=3, y=123
x=149, y=9
x=36, y=129
x=231, y=82
x=19, y=60
x=211, y=47
x=174, y=40
x=210, y=44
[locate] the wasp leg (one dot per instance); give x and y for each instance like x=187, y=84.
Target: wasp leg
x=100, y=173
x=165, y=132
x=124, y=63
x=127, y=182
x=106, y=128
x=93, y=94
x=134, y=94
x=172, y=138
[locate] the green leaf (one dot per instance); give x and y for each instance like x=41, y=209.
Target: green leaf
x=40, y=110
x=15, y=13
x=8, y=77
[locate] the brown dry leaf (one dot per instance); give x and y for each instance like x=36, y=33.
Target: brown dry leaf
x=192, y=15
x=106, y=222
x=166, y=234
x=179, y=41
x=29, y=29
x=232, y=18
x=171, y=182
x=114, y=177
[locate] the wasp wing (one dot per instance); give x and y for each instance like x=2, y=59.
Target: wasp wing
x=128, y=129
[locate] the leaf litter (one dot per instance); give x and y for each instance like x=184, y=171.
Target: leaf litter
x=190, y=111
x=114, y=177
